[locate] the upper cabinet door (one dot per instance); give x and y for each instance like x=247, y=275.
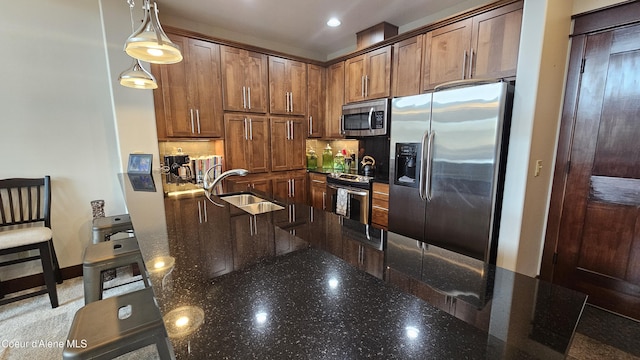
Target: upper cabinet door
x=233, y=83
x=191, y=91
x=244, y=80
x=447, y=54
x=256, y=77
x=368, y=76
x=335, y=100
x=378, y=73
x=316, y=99
x=354, y=79
x=407, y=66
x=495, y=42
x=205, y=90
x=484, y=46
x=287, y=86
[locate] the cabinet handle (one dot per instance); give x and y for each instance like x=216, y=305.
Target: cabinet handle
x=250, y=129
x=290, y=187
x=286, y=97
x=250, y=225
x=191, y=113
x=204, y=208
x=291, y=101
x=366, y=85
x=324, y=200
x=362, y=85
x=244, y=97
x=286, y=130
x=246, y=137
x=341, y=124
x=293, y=186
x=310, y=125
x=249, y=96
x=198, y=119
x=291, y=131
x=199, y=213
x=464, y=63
x=471, y=63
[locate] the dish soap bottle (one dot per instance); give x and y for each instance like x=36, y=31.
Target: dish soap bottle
x=327, y=158
x=312, y=159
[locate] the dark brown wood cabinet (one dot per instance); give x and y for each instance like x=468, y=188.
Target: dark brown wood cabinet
x=287, y=86
x=316, y=100
x=244, y=80
x=291, y=186
x=190, y=215
x=368, y=76
x=189, y=97
x=407, y=66
x=380, y=205
x=318, y=191
x=254, y=238
x=485, y=46
x=252, y=183
x=335, y=100
x=363, y=257
x=288, y=136
x=247, y=142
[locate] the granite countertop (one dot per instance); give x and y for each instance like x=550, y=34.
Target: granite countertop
x=258, y=287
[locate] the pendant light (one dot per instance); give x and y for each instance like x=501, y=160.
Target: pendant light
x=136, y=76
x=149, y=43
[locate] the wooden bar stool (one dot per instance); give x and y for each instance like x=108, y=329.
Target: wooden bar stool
x=108, y=255
x=118, y=325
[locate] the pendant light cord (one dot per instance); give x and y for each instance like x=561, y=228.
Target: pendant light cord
x=131, y=5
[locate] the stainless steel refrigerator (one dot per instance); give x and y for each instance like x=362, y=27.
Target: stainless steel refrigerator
x=448, y=152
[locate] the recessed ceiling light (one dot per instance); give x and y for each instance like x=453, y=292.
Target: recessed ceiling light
x=333, y=22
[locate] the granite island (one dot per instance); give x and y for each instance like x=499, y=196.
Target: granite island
x=231, y=285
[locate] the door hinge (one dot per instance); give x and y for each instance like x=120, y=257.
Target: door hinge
x=582, y=65
x=555, y=258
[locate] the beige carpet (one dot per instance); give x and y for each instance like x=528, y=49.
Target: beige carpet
x=31, y=329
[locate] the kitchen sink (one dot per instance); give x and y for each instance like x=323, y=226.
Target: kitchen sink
x=252, y=204
x=242, y=199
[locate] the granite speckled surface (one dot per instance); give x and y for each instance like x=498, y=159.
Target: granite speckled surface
x=288, y=300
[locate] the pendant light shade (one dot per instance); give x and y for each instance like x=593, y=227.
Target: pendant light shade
x=137, y=77
x=149, y=43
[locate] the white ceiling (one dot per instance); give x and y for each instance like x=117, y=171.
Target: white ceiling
x=302, y=23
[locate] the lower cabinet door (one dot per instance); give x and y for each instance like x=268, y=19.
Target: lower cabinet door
x=253, y=239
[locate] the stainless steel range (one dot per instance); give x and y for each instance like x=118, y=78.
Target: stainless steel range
x=349, y=196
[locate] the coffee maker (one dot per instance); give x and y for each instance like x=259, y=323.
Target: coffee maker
x=178, y=168
x=407, y=164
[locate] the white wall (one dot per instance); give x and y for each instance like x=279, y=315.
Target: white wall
x=538, y=99
x=56, y=114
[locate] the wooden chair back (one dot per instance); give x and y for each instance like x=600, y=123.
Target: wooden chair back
x=24, y=201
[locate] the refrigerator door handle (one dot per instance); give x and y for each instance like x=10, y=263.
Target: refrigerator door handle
x=423, y=146
x=430, y=142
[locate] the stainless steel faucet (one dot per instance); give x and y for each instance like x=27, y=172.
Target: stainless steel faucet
x=210, y=186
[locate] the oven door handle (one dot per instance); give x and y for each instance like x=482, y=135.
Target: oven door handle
x=370, y=119
x=354, y=192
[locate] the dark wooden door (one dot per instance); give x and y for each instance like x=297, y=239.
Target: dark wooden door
x=598, y=235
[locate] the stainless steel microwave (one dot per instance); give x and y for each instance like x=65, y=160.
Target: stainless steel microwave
x=367, y=118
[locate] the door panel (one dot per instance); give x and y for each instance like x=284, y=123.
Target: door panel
x=598, y=241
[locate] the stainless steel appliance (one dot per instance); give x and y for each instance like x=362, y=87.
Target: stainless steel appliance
x=357, y=189
x=447, y=159
x=367, y=118
x=177, y=167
